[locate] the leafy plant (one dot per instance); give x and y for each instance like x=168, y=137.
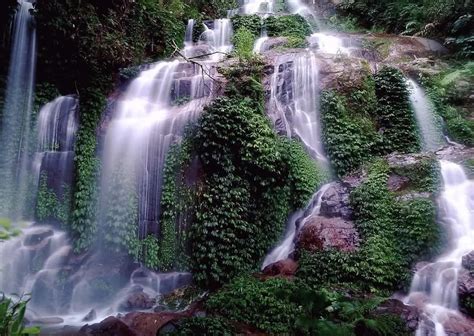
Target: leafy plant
x=12, y=314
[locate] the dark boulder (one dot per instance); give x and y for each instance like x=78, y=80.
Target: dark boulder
x=409, y=314
x=335, y=202
x=466, y=292
x=111, y=326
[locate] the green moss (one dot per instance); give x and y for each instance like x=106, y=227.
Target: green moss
x=51, y=207
x=204, y=326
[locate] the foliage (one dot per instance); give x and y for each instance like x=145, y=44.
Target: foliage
x=119, y=229
x=12, y=315
x=288, y=25
x=83, y=226
x=282, y=307
x=244, y=41
x=252, y=23
x=263, y=304
x=252, y=182
x=440, y=18
x=206, y=326
x=394, y=112
x=51, y=207
x=349, y=139
x=177, y=208
x=447, y=91
x=394, y=234
x=424, y=175
x=296, y=42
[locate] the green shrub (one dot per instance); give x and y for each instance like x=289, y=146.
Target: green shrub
x=50, y=206
x=254, y=179
x=394, y=112
x=12, y=315
x=253, y=23
x=263, y=304
x=205, y=326
x=287, y=25
x=244, y=41
x=394, y=234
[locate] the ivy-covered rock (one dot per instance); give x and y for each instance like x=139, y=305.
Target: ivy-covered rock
x=288, y=25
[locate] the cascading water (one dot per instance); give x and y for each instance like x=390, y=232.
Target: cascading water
x=328, y=43
x=259, y=46
x=258, y=7
x=218, y=37
x=149, y=118
x=54, y=159
x=17, y=123
x=297, y=7
x=295, y=223
x=294, y=101
x=429, y=126
x=436, y=284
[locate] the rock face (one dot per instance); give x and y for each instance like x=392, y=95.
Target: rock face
x=466, y=292
x=139, y=300
x=285, y=267
x=111, y=326
x=322, y=233
x=335, y=202
x=468, y=261
x=409, y=314
x=397, y=182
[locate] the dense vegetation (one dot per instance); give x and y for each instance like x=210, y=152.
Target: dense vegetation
x=370, y=118
x=451, y=21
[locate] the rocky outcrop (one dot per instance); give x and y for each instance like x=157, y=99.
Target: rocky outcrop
x=335, y=202
x=322, y=233
x=468, y=261
x=466, y=292
x=409, y=314
x=149, y=324
x=285, y=268
x=111, y=326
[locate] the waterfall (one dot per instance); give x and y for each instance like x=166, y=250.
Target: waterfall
x=218, y=37
x=295, y=223
x=298, y=7
x=258, y=7
x=259, y=46
x=17, y=122
x=150, y=116
x=328, y=43
x=294, y=101
x=428, y=124
x=437, y=283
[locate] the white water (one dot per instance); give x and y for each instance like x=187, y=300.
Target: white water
x=258, y=6
x=295, y=100
x=328, y=43
x=438, y=282
x=219, y=38
x=429, y=127
x=146, y=123
x=259, y=46
x=295, y=223
x=298, y=7
x=16, y=124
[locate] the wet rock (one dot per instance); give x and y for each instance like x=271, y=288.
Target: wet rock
x=320, y=233
x=172, y=281
x=466, y=292
x=48, y=320
x=468, y=261
x=38, y=237
x=335, y=202
x=456, y=153
x=398, y=183
x=287, y=267
x=413, y=196
x=458, y=325
x=149, y=324
x=111, y=326
x=138, y=300
x=91, y=316
x=409, y=314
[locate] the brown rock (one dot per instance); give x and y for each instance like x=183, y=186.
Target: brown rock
x=285, y=267
x=111, y=326
x=457, y=325
x=409, y=314
x=149, y=324
x=397, y=182
x=139, y=300
x=320, y=233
